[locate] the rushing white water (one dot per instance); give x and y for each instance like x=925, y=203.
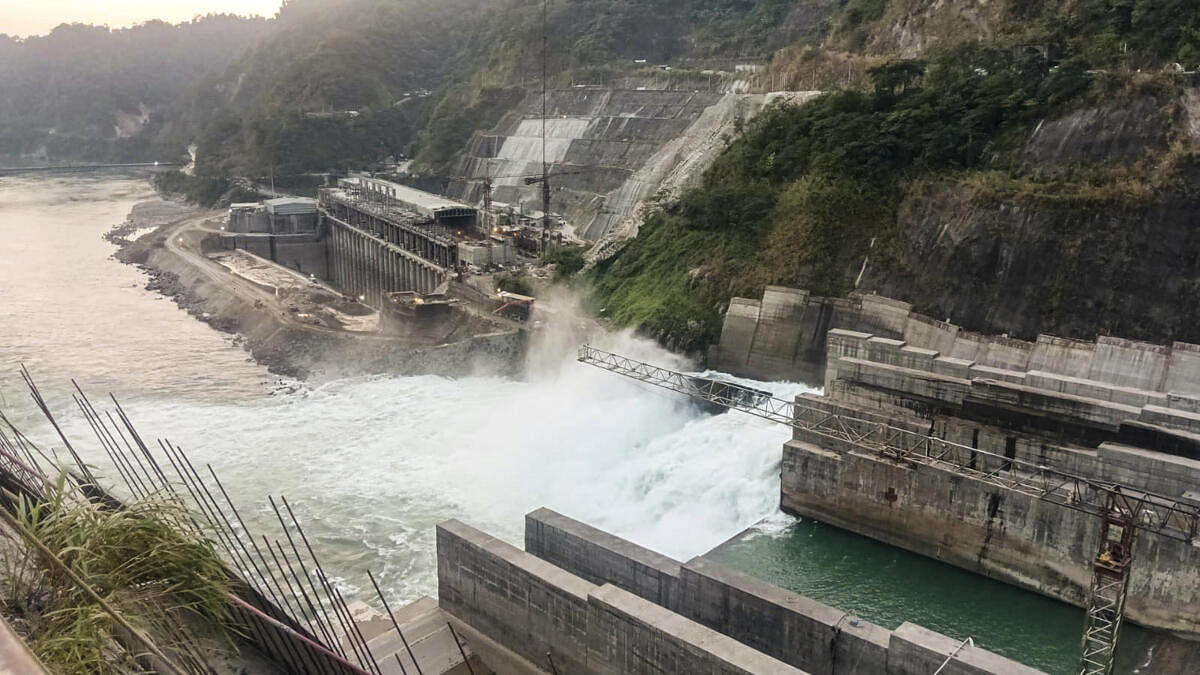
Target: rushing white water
x=371, y=465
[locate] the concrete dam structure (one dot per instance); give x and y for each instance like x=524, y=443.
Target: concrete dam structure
x=580, y=600
x=376, y=249
x=1024, y=421
x=1110, y=412
x=783, y=337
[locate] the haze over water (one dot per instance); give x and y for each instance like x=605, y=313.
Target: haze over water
x=372, y=464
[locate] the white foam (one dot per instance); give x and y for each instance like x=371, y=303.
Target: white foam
x=372, y=464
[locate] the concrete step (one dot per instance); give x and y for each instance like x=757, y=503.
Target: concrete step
x=425, y=628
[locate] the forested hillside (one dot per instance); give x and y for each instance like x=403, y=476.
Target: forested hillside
x=335, y=84
x=422, y=75
x=90, y=93
x=1018, y=190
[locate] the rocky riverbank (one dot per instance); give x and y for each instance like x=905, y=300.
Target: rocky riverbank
x=284, y=346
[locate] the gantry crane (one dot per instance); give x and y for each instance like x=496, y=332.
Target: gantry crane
x=489, y=184
x=1123, y=513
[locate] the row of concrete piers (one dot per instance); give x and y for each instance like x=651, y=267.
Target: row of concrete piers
x=366, y=266
x=391, y=227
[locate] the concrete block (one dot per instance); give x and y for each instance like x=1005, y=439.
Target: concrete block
x=600, y=557
x=914, y=650
x=917, y=358
x=1174, y=419
x=781, y=303
x=1101, y=391
x=1043, y=402
x=1183, y=370
x=1147, y=470
x=847, y=343
x=922, y=331
x=1007, y=353
x=884, y=350
x=861, y=647
x=1062, y=356
x=969, y=346
x=953, y=367
x=1185, y=402
x=521, y=602
x=1127, y=363
x=1000, y=374
x=1040, y=379
x=787, y=626
x=887, y=313
x=737, y=333
x=627, y=634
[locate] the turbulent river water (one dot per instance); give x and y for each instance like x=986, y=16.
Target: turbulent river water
x=372, y=464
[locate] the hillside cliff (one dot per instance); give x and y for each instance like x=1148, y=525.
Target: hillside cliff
x=1070, y=251
x=1031, y=170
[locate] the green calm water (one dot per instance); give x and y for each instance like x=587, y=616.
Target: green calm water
x=888, y=586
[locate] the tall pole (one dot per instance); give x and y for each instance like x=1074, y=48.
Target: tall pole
x=545, y=114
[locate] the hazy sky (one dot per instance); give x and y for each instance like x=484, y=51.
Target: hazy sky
x=37, y=17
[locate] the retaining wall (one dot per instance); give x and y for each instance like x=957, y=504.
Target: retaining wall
x=305, y=253
x=781, y=340
x=1082, y=427
x=534, y=609
x=974, y=525
x=1087, y=406
x=789, y=627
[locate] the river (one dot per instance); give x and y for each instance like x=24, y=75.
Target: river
x=373, y=463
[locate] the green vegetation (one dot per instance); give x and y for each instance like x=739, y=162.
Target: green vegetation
x=567, y=261
x=515, y=283
x=1116, y=33
x=90, y=93
x=798, y=199
x=136, y=558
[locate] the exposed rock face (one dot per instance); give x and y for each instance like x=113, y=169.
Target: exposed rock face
x=1104, y=262
x=1113, y=134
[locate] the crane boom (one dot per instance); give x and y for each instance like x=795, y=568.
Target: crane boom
x=1123, y=512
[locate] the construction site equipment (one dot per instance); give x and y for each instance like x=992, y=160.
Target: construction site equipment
x=1123, y=512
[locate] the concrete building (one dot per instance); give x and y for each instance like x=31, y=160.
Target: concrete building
x=483, y=255
x=286, y=231
x=292, y=215
x=248, y=217
x=286, y=215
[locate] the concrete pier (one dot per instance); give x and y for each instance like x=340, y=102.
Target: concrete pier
x=377, y=247
x=362, y=264
x=589, y=602
x=783, y=336
x=1140, y=439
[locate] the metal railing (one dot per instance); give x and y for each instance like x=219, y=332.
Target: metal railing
x=1162, y=515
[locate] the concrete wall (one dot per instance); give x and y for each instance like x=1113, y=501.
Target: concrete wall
x=526, y=604
x=627, y=634
x=971, y=524
x=893, y=366
x=305, y=253
x=600, y=557
x=783, y=343
x=533, y=608
x=796, y=630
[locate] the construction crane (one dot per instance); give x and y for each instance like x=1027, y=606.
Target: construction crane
x=1123, y=513
x=489, y=184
